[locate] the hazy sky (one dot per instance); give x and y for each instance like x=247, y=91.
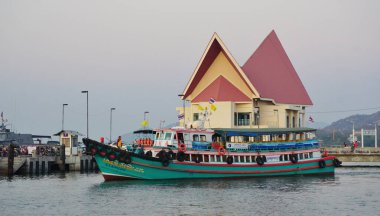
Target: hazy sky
x=138, y=55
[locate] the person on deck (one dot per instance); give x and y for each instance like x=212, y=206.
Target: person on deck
x=119, y=143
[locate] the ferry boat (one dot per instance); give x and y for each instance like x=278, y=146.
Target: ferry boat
x=179, y=153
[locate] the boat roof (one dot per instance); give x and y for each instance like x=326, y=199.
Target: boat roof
x=260, y=131
x=144, y=131
x=186, y=130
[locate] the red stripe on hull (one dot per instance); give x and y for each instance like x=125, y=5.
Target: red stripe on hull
x=116, y=178
x=252, y=165
x=232, y=171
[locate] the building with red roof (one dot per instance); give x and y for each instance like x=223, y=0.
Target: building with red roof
x=265, y=92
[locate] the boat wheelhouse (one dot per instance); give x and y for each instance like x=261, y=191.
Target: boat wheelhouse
x=220, y=153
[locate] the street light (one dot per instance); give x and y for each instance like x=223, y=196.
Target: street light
x=86, y=92
x=146, y=112
x=63, y=114
x=183, y=106
x=111, y=124
x=162, y=123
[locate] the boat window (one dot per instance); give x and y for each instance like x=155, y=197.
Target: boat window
x=241, y=159
x=187, y=137
x=306, y=155
x=168, y=136
x=180, y=138
x=310, y=154
x=218, y=158
x=203, y=138
x=281, y=158
x=301, y=156
x=206, y=158
x=196, y=137
x=212, y=158
x=187, y=157
x=247, y=159
x=286, y=158
x=236, y=159
x=224, y=158
x=253, y=158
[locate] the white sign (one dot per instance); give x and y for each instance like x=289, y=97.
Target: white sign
x=273, y=158
x=236, y=146
x=369, y=132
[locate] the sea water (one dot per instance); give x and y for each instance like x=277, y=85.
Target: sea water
x=351, y=191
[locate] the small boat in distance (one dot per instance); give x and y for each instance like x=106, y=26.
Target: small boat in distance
x=179, y=153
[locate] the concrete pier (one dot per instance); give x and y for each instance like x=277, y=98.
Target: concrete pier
x=35, y=165
x=362, y=155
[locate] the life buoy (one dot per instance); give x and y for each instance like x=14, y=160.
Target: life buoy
x=198, y=158
x=230, y=160
x=182, y=147
x=259, y=160
x=322, y=163
x=181, y=156
x=148, y=153
x=293, y=158
x=222, y=151
x=215, y=145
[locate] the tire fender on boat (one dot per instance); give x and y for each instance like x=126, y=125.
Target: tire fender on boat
x=180, y=156
x=337, y=163
x=165, y=162
x=102, y=152
x=111, y=156
x=322, y=163
x=148, y=153
x=259, y=160
x=294, y=158
x=170, y=155
x=230, y=160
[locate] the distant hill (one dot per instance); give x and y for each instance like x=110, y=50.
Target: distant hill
x=338, y=132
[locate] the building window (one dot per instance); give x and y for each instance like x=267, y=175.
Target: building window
x=242, y=119
x=195, y=116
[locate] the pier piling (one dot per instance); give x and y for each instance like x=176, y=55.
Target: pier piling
x=11, y=155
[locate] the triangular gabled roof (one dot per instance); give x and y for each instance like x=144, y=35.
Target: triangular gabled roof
x=221, y=90
x=214, y=47
x=269, y=69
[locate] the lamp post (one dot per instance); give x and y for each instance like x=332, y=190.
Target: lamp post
x=146, y=112
x=183, y=106
x=111, y=123
x=63, y=114
x=162, y=122
x=86, y=92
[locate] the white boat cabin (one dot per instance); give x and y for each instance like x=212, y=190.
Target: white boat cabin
x=192, y=138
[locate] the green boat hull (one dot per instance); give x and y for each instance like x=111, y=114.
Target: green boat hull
x=141, y=168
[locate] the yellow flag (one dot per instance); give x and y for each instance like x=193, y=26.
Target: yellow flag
x=213, y=107
x=200, y=107
x=144, y=123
